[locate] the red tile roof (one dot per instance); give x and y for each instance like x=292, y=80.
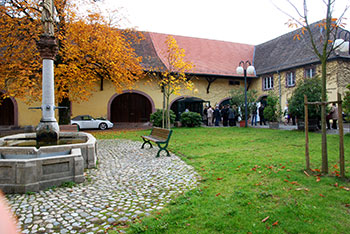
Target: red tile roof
x=210, y=57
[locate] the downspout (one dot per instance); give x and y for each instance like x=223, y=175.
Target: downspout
x=279, y=90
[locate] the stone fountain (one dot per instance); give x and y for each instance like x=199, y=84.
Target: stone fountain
x=54, y=157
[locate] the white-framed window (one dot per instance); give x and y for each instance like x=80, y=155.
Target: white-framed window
x=290, y=79
x=267, y=82
x=310, y=72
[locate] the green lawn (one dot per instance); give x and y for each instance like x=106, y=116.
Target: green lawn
x=250, y=175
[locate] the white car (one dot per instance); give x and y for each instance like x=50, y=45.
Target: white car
x=87, y=122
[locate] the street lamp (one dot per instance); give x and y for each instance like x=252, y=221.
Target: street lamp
x=245, y=68
x=342, y=45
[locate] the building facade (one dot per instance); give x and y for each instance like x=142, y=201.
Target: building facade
x=280, y=64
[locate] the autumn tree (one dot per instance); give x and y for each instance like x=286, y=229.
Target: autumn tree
x=320, y=36
x=91, y=49
x=174, y=77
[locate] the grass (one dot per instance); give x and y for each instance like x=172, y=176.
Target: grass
x=253, y=181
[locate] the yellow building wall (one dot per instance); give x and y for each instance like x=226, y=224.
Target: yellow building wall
x=338, y=76
x=97, y=105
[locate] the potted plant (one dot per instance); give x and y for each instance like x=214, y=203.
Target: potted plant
x=238, y=99
x=271, y=111
x=311, y=87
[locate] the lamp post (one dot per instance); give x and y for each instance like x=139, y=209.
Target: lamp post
x=245, y=68
x=342, y=45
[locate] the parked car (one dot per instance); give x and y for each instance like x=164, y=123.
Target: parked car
x=88, y=122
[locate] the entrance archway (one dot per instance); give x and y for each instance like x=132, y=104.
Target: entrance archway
x=7, y=112
x=193, y=104
x=130, y=107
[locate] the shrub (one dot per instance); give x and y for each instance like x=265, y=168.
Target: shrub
x=156, y=118
x=238, y=99
x=310, y=87
x=346, y=103
x=191, y=119
x=271, y=112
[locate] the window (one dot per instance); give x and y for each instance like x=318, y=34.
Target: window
x=310, y=72
x=268, y=82
x=233, y=82
x=290, y=79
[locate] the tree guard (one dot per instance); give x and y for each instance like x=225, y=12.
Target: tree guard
x=341, y=132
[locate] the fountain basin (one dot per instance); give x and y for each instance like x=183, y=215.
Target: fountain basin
x=26, y=168
x=16, y=147
x=34, y=174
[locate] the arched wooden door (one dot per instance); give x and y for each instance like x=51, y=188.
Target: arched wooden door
x=130, y=107
x=7, y=112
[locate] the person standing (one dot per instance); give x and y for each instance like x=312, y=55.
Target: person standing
x=210, y=116
x=334, y=115
x=217, y=116
x=254, y=113
x=224, y=113
x=286, y=115
x=231, y=116
x=205, y=115
x=261, y=115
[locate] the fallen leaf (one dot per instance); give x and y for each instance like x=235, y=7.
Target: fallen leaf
x=321, y=195
x=336, y=184
x=346, y=188
x=347, y=205
x=299, y=189
x=283, y=167
x=288, y=170
x=318, y=179
x=275, y=223
x=306, y=173
x=218, y=194
x=219, y=178
x=265, y=219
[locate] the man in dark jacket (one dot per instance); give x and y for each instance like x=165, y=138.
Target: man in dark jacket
x=224, y=114
x=217, y=116
x=261, y=115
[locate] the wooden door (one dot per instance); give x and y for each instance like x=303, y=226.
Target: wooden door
x=130, y=107
x=7, y=116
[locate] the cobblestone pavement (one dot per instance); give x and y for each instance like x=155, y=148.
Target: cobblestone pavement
x=128, y=184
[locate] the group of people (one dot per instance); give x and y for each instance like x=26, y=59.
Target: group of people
x=227, y=114
x=332, y=115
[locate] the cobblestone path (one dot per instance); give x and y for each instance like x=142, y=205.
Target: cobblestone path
x=129, y=183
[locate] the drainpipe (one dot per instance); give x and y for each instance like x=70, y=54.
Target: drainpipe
x=279, y=90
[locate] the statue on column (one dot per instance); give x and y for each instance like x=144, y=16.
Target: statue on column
x=47, y=17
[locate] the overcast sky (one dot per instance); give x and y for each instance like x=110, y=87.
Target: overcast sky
x=244, y=21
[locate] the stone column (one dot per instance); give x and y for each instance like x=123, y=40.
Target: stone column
x=48, y=129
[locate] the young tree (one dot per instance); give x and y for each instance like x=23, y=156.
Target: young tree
x=173, y=78
x=321, y=41
x=91, y=49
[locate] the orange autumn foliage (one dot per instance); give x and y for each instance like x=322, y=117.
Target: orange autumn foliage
x=91, y=50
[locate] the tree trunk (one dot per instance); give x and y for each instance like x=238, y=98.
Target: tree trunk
x=163, y=111
x=323, y=117
x=64, y=114
x=167, y=112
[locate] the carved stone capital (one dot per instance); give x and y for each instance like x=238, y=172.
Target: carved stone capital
x=47, y=47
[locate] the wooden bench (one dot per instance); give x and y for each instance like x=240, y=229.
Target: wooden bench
x=160, y=136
